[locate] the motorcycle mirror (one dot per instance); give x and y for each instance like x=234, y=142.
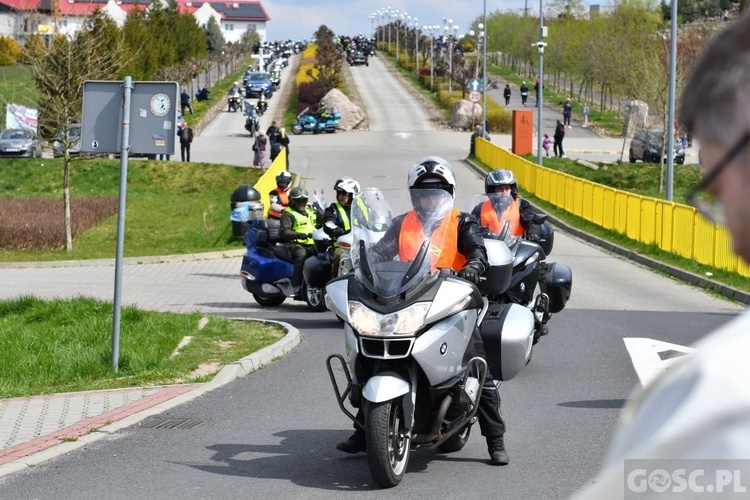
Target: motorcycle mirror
x=540, y=218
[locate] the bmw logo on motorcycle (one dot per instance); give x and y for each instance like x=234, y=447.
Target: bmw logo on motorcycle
x=443, y=348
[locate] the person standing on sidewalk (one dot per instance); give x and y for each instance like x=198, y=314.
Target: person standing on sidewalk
x=524, y=93
x=185, y=134
x=559, y=135
x=585, y=115
x=506, y=94
x=185, y=102
x=567, y=112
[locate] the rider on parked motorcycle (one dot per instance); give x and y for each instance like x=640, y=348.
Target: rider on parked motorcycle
x=297, y=224
x=278, y=198
x=235, y=89
x=505, y=205
x=431, y=180
x=337, y=217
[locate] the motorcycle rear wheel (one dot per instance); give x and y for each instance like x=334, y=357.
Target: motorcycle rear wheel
x=266, y=301
x=456, y=441
x=315, y=298
x=388, y=443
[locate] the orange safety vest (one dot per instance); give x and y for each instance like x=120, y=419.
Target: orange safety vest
x=412, y=236
x=284, y=198
x=490, y=218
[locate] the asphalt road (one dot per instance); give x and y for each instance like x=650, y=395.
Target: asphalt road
x=272, y=434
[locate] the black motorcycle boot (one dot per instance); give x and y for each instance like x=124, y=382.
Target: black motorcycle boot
x=496, y=447
x=354, y=444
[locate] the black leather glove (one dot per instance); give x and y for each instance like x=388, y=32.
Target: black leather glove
x=533, y=237
x=300, y=236
x=337, y=232
x=471, y=271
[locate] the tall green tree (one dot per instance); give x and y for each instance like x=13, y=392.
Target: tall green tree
x=327, y=60
x=214, y=38
x=97, y=53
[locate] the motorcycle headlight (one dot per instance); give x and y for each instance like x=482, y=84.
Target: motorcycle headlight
x=403, y=322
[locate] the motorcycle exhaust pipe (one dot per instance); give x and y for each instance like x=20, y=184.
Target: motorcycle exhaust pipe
x=435, y=431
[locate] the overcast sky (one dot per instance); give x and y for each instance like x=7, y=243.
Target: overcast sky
x=298, y=19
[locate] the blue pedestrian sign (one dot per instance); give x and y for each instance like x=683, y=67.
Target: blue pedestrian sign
x=475, y=84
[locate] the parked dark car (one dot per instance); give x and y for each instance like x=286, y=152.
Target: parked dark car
x=357, y=58
x=17, y=142
x=257, y=82
x=646, y=146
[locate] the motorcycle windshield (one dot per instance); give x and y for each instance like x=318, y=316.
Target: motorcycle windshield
x=392, y=255
x=498, y=201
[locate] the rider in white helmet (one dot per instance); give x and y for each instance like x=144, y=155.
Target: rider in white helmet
x=433, y=188
x=337, y=219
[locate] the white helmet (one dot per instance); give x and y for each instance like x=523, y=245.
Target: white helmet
x=437, y=171
x=347, y=185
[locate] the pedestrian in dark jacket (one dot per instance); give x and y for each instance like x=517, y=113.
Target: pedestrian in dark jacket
x=567, y=112
x=506, y=94
x=524, y=93
x=559, y=136
x=185, y=133
x=185, y=102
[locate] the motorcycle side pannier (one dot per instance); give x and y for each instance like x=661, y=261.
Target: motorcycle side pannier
x=507, y=334
x=317, y=272
x=559, y=278
x=501, y=268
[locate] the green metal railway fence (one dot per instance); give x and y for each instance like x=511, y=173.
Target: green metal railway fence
x=672, y=227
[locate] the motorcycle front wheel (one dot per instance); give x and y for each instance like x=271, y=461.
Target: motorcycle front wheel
x=296, y=129
x=388, y=442
x=315, y=298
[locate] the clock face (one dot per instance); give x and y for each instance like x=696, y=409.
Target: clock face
x=160, y=104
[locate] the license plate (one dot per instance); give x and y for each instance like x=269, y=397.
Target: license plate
x=12, y=150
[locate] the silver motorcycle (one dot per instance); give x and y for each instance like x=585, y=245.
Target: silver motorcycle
x=409, y=364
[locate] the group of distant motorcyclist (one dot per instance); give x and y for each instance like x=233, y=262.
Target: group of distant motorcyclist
x=465, y=253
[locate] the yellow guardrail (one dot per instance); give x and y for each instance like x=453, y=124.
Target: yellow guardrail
x=267, y=181
x=672, y=227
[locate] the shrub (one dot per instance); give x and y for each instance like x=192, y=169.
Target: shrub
x=33, y=50
x=48, y=229
x=308, y=96
x=9, y=51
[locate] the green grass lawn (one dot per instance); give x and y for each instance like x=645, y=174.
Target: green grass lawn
x=65, y=345
x=172, y=207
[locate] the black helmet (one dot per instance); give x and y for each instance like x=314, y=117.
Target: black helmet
x=501, y=177
x=284, y=177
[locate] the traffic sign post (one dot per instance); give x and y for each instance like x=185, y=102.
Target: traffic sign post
x=475, y=85
x=105, y=128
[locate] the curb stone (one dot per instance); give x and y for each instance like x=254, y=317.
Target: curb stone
x=229, y=373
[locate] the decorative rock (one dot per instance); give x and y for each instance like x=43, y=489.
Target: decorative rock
x=464, y=114
x=352, y=116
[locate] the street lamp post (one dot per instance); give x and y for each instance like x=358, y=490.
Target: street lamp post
x=391, y=16
x=540, y=109
x=479, y=40
x=484, y=68
x=432, y=30
x=416, y=45
x=450, y=57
